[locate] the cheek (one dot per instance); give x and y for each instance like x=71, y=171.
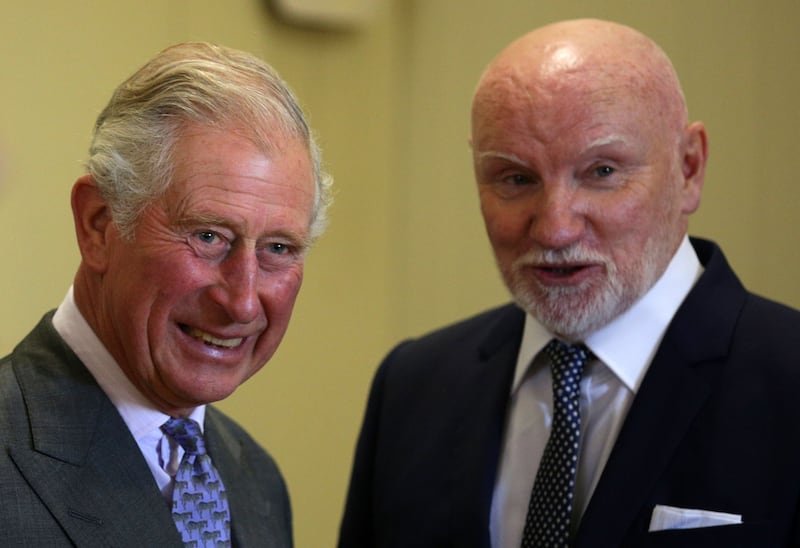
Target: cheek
x=279, y=292
x=179, y=273
x=169, y=292
x=629, y=230
x=278, y=295
x=505, y=225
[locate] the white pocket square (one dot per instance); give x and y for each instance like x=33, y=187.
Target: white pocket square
x=670, y=517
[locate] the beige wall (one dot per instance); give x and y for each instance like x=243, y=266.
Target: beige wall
x=406, y=250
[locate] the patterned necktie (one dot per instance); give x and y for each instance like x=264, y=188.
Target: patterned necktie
x=550, y=509
x=199, y=502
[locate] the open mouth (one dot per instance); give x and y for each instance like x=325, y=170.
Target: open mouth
x=210, y=340
x=562, y=270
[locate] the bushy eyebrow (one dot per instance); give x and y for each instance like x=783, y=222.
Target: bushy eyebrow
x=607, y=140
x=502, y=156
x=597, y=143
x=202, y=218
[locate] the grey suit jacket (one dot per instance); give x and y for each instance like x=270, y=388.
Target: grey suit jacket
x=71, y=474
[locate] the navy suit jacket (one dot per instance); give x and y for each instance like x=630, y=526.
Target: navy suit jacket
x=71, y=473
x=714, y=426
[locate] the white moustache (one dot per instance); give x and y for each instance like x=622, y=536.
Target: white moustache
x=569, y=255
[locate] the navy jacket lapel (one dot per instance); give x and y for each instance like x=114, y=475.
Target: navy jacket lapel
x=675, y=387
x=483, y=395
x=83, y=463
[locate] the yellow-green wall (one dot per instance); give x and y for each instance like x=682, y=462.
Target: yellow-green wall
x=406, y=249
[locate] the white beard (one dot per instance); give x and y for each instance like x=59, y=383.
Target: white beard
x=573, y=312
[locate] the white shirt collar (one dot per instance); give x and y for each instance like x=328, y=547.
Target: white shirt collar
x=626, y=355
x=141, y=416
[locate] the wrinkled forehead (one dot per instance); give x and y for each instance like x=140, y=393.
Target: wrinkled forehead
x=518, y=97
x=562, y=122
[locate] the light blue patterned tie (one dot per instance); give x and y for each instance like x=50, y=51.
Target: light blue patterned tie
x=550, y=508
x=199, y=502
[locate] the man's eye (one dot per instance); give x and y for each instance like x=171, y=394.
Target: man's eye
x=518, y=179
x=207, y=237
x=278, y=249
x=603, y=171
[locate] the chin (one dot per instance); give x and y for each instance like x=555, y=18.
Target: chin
x=568, y=313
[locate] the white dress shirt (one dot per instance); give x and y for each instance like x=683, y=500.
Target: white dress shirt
x=624, y=349
x=140, y=416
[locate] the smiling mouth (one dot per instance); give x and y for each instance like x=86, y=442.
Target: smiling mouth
x=210, y=340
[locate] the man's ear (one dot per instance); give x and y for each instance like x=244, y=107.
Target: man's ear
x=93, y=224
x=693, y=165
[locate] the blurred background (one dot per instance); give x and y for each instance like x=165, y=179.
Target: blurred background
x=388, y=93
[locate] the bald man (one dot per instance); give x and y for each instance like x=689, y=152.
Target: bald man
x=675, y=421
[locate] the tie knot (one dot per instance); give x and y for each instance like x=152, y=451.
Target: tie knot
x=568, y=360
x=187, y=433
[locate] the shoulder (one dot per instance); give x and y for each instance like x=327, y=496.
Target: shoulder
x=720, y=288
x=43, y=377
x=768, y=328
x=754, y=333
x=484, y=330
x=781, y=315
x=719, y=296
x=451, y=351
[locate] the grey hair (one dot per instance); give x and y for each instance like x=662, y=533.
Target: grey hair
x=130, y=156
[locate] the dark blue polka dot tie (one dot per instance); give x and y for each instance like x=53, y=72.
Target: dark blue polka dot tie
x=550, y=509
x=199, y=502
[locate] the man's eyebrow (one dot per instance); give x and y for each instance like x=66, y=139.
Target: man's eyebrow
x=294, y=238
x=606, y=140
x=513, y=158
x=502, y=156
x=201, y=218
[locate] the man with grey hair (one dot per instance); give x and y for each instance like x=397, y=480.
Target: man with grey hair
x=635, y=394
x=202, y=196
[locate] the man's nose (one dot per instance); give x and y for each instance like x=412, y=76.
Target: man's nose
x=237, y=290
x=557, y=220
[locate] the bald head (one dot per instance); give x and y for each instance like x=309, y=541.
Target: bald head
x=589, y=56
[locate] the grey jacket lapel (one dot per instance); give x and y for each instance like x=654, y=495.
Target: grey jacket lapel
x=255, y=520
x=81, y=460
